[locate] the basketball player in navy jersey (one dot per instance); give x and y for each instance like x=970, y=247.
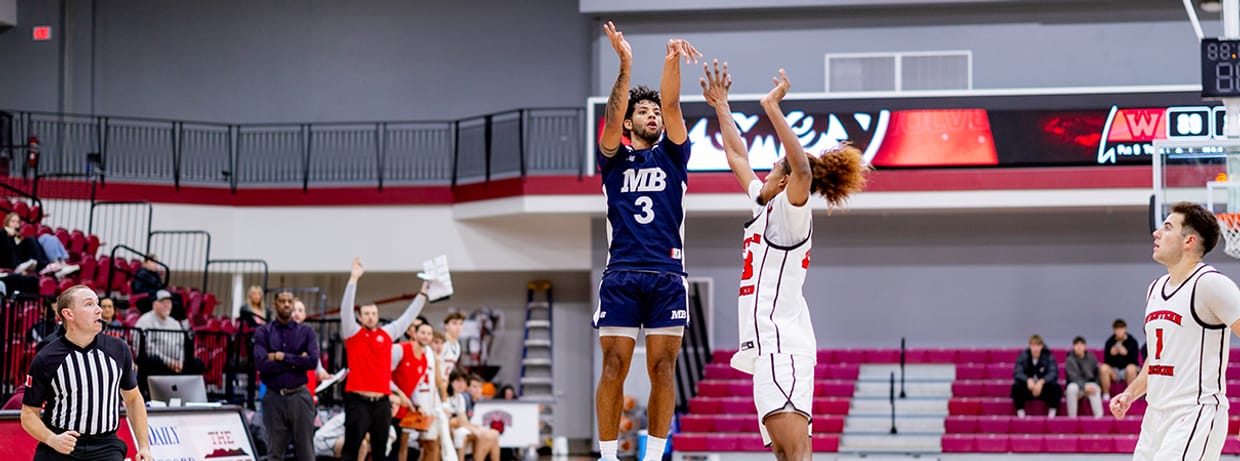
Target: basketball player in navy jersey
x=777, y=344
x=643, y=284
x=1190, y=314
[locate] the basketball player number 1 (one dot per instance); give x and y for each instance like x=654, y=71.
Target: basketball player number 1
x=647, y=210
x=1158, y=340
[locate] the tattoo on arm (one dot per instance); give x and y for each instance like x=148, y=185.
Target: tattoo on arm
x=618, y=91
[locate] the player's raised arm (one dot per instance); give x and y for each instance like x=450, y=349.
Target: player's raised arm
x=800, y=178
x=618, y=101
x=669, y=88
x=348, y=319
x=715, y=86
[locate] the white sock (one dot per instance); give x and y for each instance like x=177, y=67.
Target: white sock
x=607, y=449
x=654, y=448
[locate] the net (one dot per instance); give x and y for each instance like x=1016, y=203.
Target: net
x=1229, y=223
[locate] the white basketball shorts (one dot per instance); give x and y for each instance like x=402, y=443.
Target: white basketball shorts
x=1189, y=432
x=783, y=383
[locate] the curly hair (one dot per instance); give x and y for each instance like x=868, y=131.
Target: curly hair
x=838, y=173
x=639, y=94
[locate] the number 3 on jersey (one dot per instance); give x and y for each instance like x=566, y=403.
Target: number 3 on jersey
x=647, y=208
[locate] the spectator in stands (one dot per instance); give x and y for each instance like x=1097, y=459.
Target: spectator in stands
x=166, y=351
x=459, y=405
x=1082, y=370
x=1036, y=378
x=109, y=312
x=46, y=328
x=253, y=314
x=1120, y=358
x=329, y=438
x=22, y=254
x=17, y=261
x=506, y=392
x=284, y=351
x=46, y=250
x=451, y=354
x=149, y=279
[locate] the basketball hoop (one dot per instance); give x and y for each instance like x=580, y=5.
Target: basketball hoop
x=1229, y=223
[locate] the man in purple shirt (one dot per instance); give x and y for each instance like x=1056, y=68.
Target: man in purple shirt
x=284, y=351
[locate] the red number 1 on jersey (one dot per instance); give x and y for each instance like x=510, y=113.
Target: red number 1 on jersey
x=1158, y=343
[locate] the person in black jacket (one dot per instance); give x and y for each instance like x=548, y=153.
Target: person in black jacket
x=1121, y=360
x=1036, y=378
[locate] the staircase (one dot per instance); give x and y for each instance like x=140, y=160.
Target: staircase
x=919, y=416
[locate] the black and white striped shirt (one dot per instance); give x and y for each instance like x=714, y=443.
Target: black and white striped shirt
x=80, y=385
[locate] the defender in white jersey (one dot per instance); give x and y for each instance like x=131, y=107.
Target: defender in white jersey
x=777, y=344
x=1187, y=316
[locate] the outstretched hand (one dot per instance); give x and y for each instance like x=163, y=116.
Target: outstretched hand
x=781, y=88
x=677, y=48
x=358, y=270
x=715, y=85
x=623, y=50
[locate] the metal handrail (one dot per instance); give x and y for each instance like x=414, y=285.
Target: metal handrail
x=441, y=152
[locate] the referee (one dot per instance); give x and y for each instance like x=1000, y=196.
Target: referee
x=78, y=376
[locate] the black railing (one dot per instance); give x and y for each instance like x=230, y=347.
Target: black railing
x=695, y=351
x=218, y=278
x=185, y=252
x=494, y=146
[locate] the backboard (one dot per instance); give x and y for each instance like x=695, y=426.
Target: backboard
x=1205, y=171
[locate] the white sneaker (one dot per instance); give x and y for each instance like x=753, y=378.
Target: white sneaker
x=1020, y=413
x=436, y=271
x=23, y=267
x=52, y=267
x=1052, y=412
x=66, y=270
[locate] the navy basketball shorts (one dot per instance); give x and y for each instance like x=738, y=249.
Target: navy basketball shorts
x=631, y=299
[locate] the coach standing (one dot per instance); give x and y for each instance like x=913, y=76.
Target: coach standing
x=284, y=351
x=81, y=378
x=368, y=350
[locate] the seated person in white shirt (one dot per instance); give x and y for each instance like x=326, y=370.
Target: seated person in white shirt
x=165, y=352
x=329, y=438
x=484, y=439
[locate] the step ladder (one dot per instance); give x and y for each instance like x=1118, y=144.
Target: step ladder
x=536, y=369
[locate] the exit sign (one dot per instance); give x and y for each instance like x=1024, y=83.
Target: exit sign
x=42, y=33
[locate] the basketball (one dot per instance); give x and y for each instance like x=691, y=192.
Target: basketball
x=626, y=424
x=629, y=403
x=626, y=445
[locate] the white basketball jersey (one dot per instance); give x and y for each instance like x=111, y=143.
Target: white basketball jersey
x=771, y=311
x=1187, y=357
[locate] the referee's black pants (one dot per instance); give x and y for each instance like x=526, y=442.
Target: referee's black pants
x=366, y=415
x=106, y=446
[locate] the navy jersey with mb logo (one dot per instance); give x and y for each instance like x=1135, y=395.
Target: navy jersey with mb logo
x=645, y=192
